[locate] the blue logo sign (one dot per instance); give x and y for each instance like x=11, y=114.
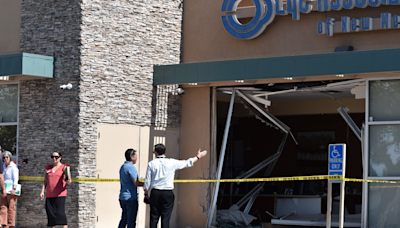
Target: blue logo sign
x=265, y=14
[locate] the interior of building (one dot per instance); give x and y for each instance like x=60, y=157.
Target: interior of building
x=309, y=111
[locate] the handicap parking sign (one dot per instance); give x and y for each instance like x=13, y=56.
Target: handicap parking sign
x=337, y=159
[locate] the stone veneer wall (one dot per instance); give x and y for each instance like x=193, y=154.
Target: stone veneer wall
x=166, y=111
x=48, y=115
x=121, y=41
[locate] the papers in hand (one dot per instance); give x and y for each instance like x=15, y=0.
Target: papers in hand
x=9, y=187
x=67, y=172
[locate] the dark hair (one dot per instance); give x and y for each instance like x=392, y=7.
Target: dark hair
x=58, y=154
x=129, y=153
x=159, y=148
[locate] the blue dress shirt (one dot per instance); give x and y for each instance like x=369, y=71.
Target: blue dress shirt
x=126, y=174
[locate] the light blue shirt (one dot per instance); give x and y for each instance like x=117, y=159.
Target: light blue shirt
x=161, y=172
x=126, y=174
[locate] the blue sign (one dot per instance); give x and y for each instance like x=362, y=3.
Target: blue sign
x=263, y=17
x=336, y=173
x=335, y=166
x=266, y=10
x=337, y=159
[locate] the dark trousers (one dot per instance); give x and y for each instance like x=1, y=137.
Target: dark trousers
x=129, y=212
x=161, y=204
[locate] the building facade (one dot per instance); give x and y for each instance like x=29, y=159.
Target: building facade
x=123, y=60
x=303, y=61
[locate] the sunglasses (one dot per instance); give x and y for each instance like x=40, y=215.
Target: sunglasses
x=56, y=157
x=4, y=158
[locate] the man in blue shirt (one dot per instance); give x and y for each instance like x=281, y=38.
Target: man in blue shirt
x=128, y=176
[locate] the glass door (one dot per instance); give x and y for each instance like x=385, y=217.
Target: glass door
x=382, y=160
x=9, y=102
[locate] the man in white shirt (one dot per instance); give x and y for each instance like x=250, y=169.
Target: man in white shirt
x=160, y=178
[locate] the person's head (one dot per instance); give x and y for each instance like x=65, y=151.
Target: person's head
x=131, y=155
x=160, y=149
x=56, y=157
x=7, y=156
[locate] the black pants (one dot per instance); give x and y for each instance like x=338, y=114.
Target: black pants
x=55, y=209
x=161, y=204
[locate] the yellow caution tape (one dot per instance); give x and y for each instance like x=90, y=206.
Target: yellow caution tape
x=28, y=178
x=320, y=177
x=369, y=181
x=296, y=178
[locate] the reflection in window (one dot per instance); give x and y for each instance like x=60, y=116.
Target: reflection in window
x=384, y=100
x=384, y=205
x=384, y=147
x=8, y=103
x=8, y=138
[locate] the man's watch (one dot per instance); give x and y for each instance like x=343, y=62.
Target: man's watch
x=198, y=157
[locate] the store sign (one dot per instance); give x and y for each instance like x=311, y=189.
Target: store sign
x=337, y=159
x=266, y=10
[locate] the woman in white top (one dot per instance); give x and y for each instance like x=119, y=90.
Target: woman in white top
x=11, y=176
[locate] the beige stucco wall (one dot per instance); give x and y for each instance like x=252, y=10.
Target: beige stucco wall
x=10, y=25
x=205, y=38
x=195, y=134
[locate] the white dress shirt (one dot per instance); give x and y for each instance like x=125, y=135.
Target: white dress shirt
x=11, y=173
x=161, y=171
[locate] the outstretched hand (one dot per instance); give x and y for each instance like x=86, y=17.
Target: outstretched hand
x=201, y=153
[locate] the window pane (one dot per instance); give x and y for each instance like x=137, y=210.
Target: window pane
x=8, y=138
x=8, y=103
x=384, y=150
x=383, y=205
x=384, y=100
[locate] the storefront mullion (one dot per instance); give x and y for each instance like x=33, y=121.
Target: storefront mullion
x=382, y=153
x=9, y=118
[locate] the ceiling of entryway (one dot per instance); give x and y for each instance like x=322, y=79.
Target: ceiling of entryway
x=301, y=90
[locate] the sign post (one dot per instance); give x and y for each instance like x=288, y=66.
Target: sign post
x=336, y=166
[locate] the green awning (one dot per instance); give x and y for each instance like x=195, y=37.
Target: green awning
x=355, y=62
x=24, y=66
